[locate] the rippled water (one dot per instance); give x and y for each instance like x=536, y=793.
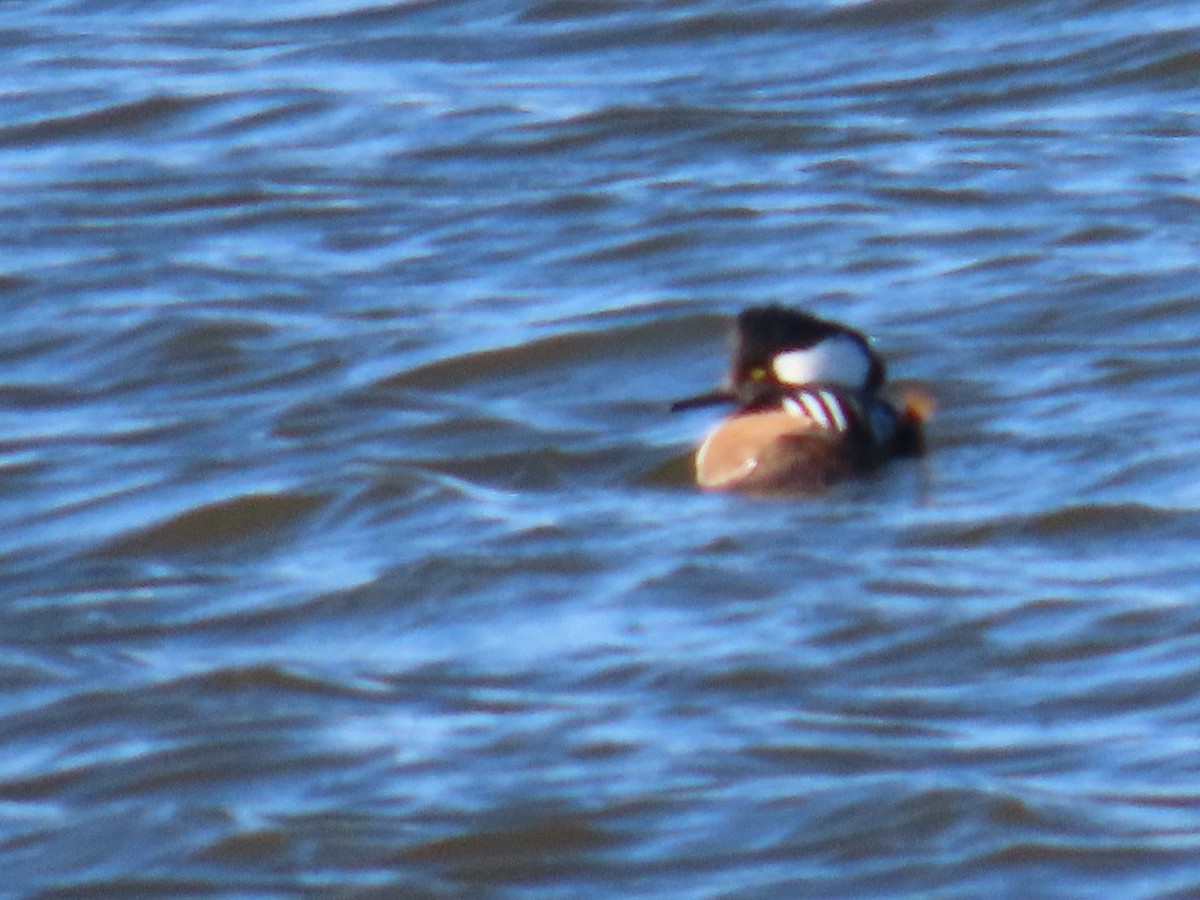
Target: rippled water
x=347, y=546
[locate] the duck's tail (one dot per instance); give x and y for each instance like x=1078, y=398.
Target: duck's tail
x=915, y=405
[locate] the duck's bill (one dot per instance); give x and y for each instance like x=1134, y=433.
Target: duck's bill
x=712, y=398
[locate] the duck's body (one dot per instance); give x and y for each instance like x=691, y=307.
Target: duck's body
x=812, y=438
x=813, y=408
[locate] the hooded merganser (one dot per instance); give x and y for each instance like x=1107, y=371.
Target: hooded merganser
x=812, y=407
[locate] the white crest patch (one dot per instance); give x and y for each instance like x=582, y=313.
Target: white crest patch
x=836, y=360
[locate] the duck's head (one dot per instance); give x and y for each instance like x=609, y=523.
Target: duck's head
x=777, y=349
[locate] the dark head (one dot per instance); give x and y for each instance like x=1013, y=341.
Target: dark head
x=777, y=349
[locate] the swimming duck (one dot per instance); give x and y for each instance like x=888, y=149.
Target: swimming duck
x=812, y=407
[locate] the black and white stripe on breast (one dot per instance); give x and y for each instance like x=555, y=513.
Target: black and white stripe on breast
x=856, y=415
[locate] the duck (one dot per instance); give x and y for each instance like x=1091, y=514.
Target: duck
x=812, y=407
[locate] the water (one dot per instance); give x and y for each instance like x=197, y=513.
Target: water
x=345, y=548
